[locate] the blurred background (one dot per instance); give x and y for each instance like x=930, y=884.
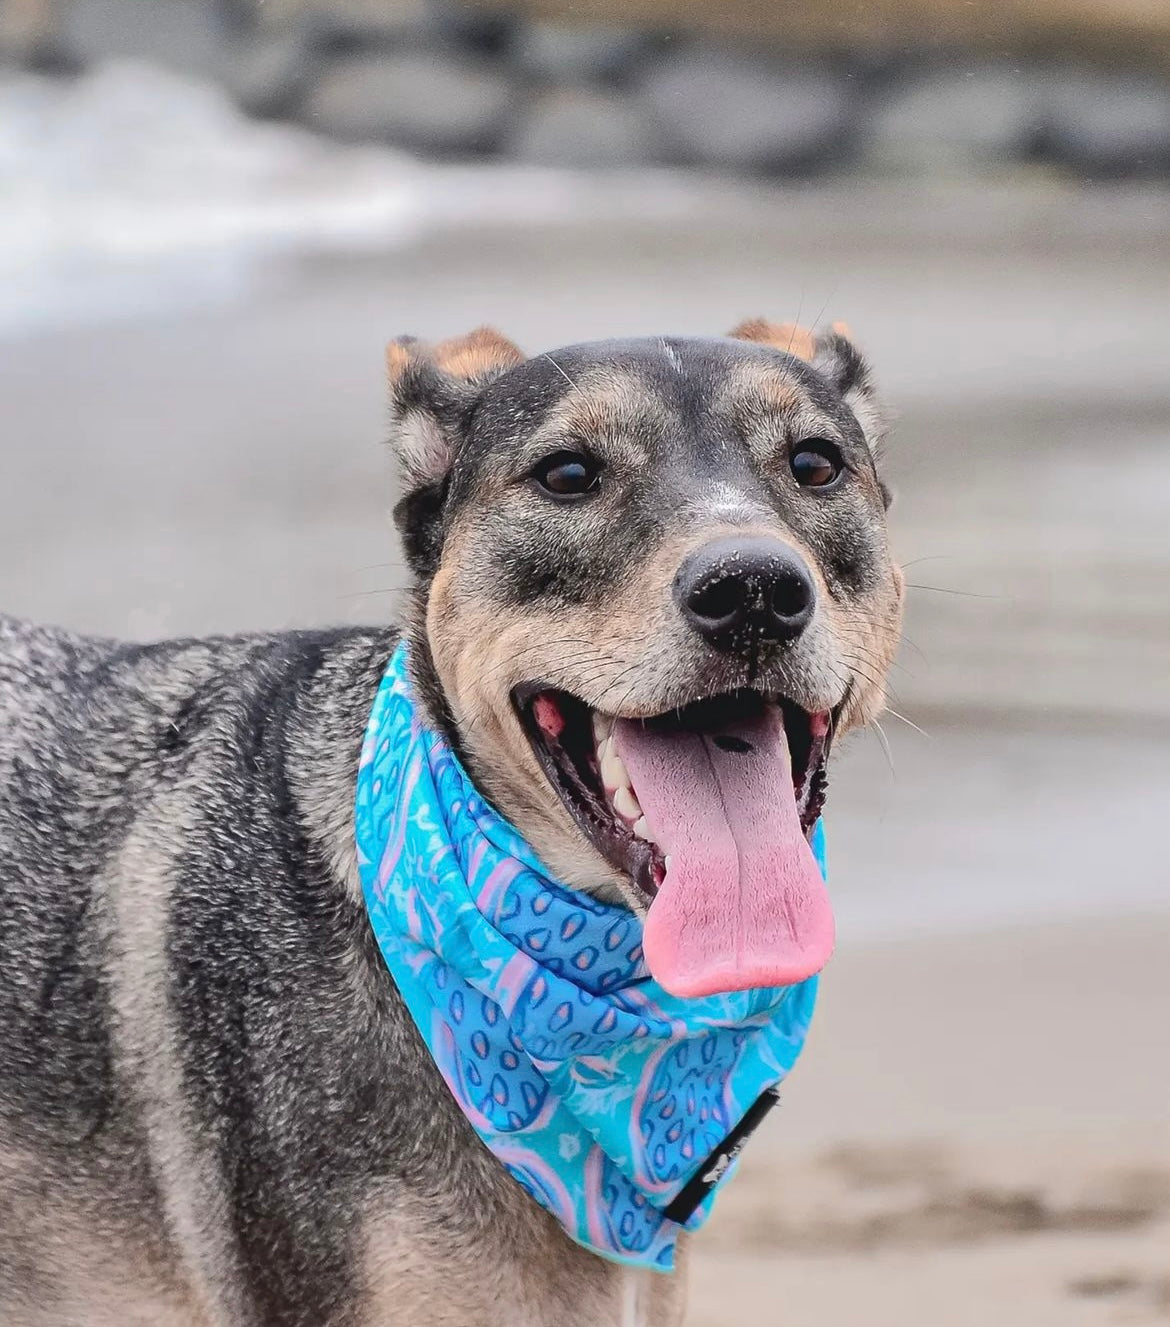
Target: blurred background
x=214, y=213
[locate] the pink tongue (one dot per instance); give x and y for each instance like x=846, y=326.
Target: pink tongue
x=743, y=903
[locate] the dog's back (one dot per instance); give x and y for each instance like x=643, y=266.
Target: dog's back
x=80, y=723
x=92, y=734
x=145, y=793
x=79, y=755
x=214, y=1108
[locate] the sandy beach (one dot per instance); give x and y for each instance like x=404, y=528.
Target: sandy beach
x=978, y=1133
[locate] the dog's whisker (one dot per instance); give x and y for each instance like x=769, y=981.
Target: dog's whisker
x=832, y=295
x=873, y=658
x=795, y=322
x=878, y=682
x=909, y=723
x=629, y=692
x=857, y=651
x=841, y=679
x=863, y=672
x=943, y=589
x=617, y=681
x=475, y=721
x=595, y=663
x=932, y=557
x=366, y=594
x=561, y=371
x=885, y=744
x=877, y=620
x=546, y=647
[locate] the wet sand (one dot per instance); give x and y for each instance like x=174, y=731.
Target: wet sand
x=978, y=1129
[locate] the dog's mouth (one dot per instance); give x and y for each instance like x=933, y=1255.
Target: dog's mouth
x=708, y=809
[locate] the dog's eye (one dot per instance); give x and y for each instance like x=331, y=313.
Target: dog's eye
x=567, y=474
x=816, y=464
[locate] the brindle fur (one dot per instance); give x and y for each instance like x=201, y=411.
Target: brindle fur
x=214, y=1109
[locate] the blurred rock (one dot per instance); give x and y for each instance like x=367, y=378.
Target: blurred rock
x=270, y=72
x=427, y=100
x=560, y=53
x=584, y=127
x=955, y=119
x=361, y=18
x=1107, y=124
x=348, y=25
x=476, y=30
x=181, y=34
x=26, y=30
x=742, y=111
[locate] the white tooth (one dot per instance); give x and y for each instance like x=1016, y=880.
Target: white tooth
x=626, y=805
x=613, y=772
x=666, y=862
x=602, y=726
x=642, y=829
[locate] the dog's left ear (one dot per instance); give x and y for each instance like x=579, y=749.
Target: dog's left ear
x=835, y=357
x=433, y=390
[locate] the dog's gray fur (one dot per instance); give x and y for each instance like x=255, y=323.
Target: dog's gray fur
x=213, y=1108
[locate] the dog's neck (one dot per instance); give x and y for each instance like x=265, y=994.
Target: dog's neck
x=326, y=741
x=325, y=746
x=430, y=698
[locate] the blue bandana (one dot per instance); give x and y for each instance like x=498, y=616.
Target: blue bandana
x=616, y=1106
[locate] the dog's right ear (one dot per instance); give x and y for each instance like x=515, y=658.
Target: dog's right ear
x=433, y=390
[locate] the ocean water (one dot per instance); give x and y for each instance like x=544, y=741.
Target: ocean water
x=134, y=189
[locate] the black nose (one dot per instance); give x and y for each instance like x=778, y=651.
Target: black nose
x=744, y=589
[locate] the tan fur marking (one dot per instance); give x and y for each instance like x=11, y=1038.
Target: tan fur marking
x=398, y=359
x=768, y=386
x=91, y=1270
x=146, y=1047
x=480, y=354
x=787, y=337
x=868, y=633
x=501, y=1278
x=608, y=403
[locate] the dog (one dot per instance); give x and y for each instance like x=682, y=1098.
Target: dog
x=215, y=1110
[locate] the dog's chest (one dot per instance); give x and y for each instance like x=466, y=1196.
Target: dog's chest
x=503, y=1262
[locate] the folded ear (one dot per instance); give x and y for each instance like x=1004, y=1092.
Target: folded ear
x=787, y=337
x=835, y=357
x=432, y=391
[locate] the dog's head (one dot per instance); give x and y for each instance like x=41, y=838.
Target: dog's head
x=651, y=583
